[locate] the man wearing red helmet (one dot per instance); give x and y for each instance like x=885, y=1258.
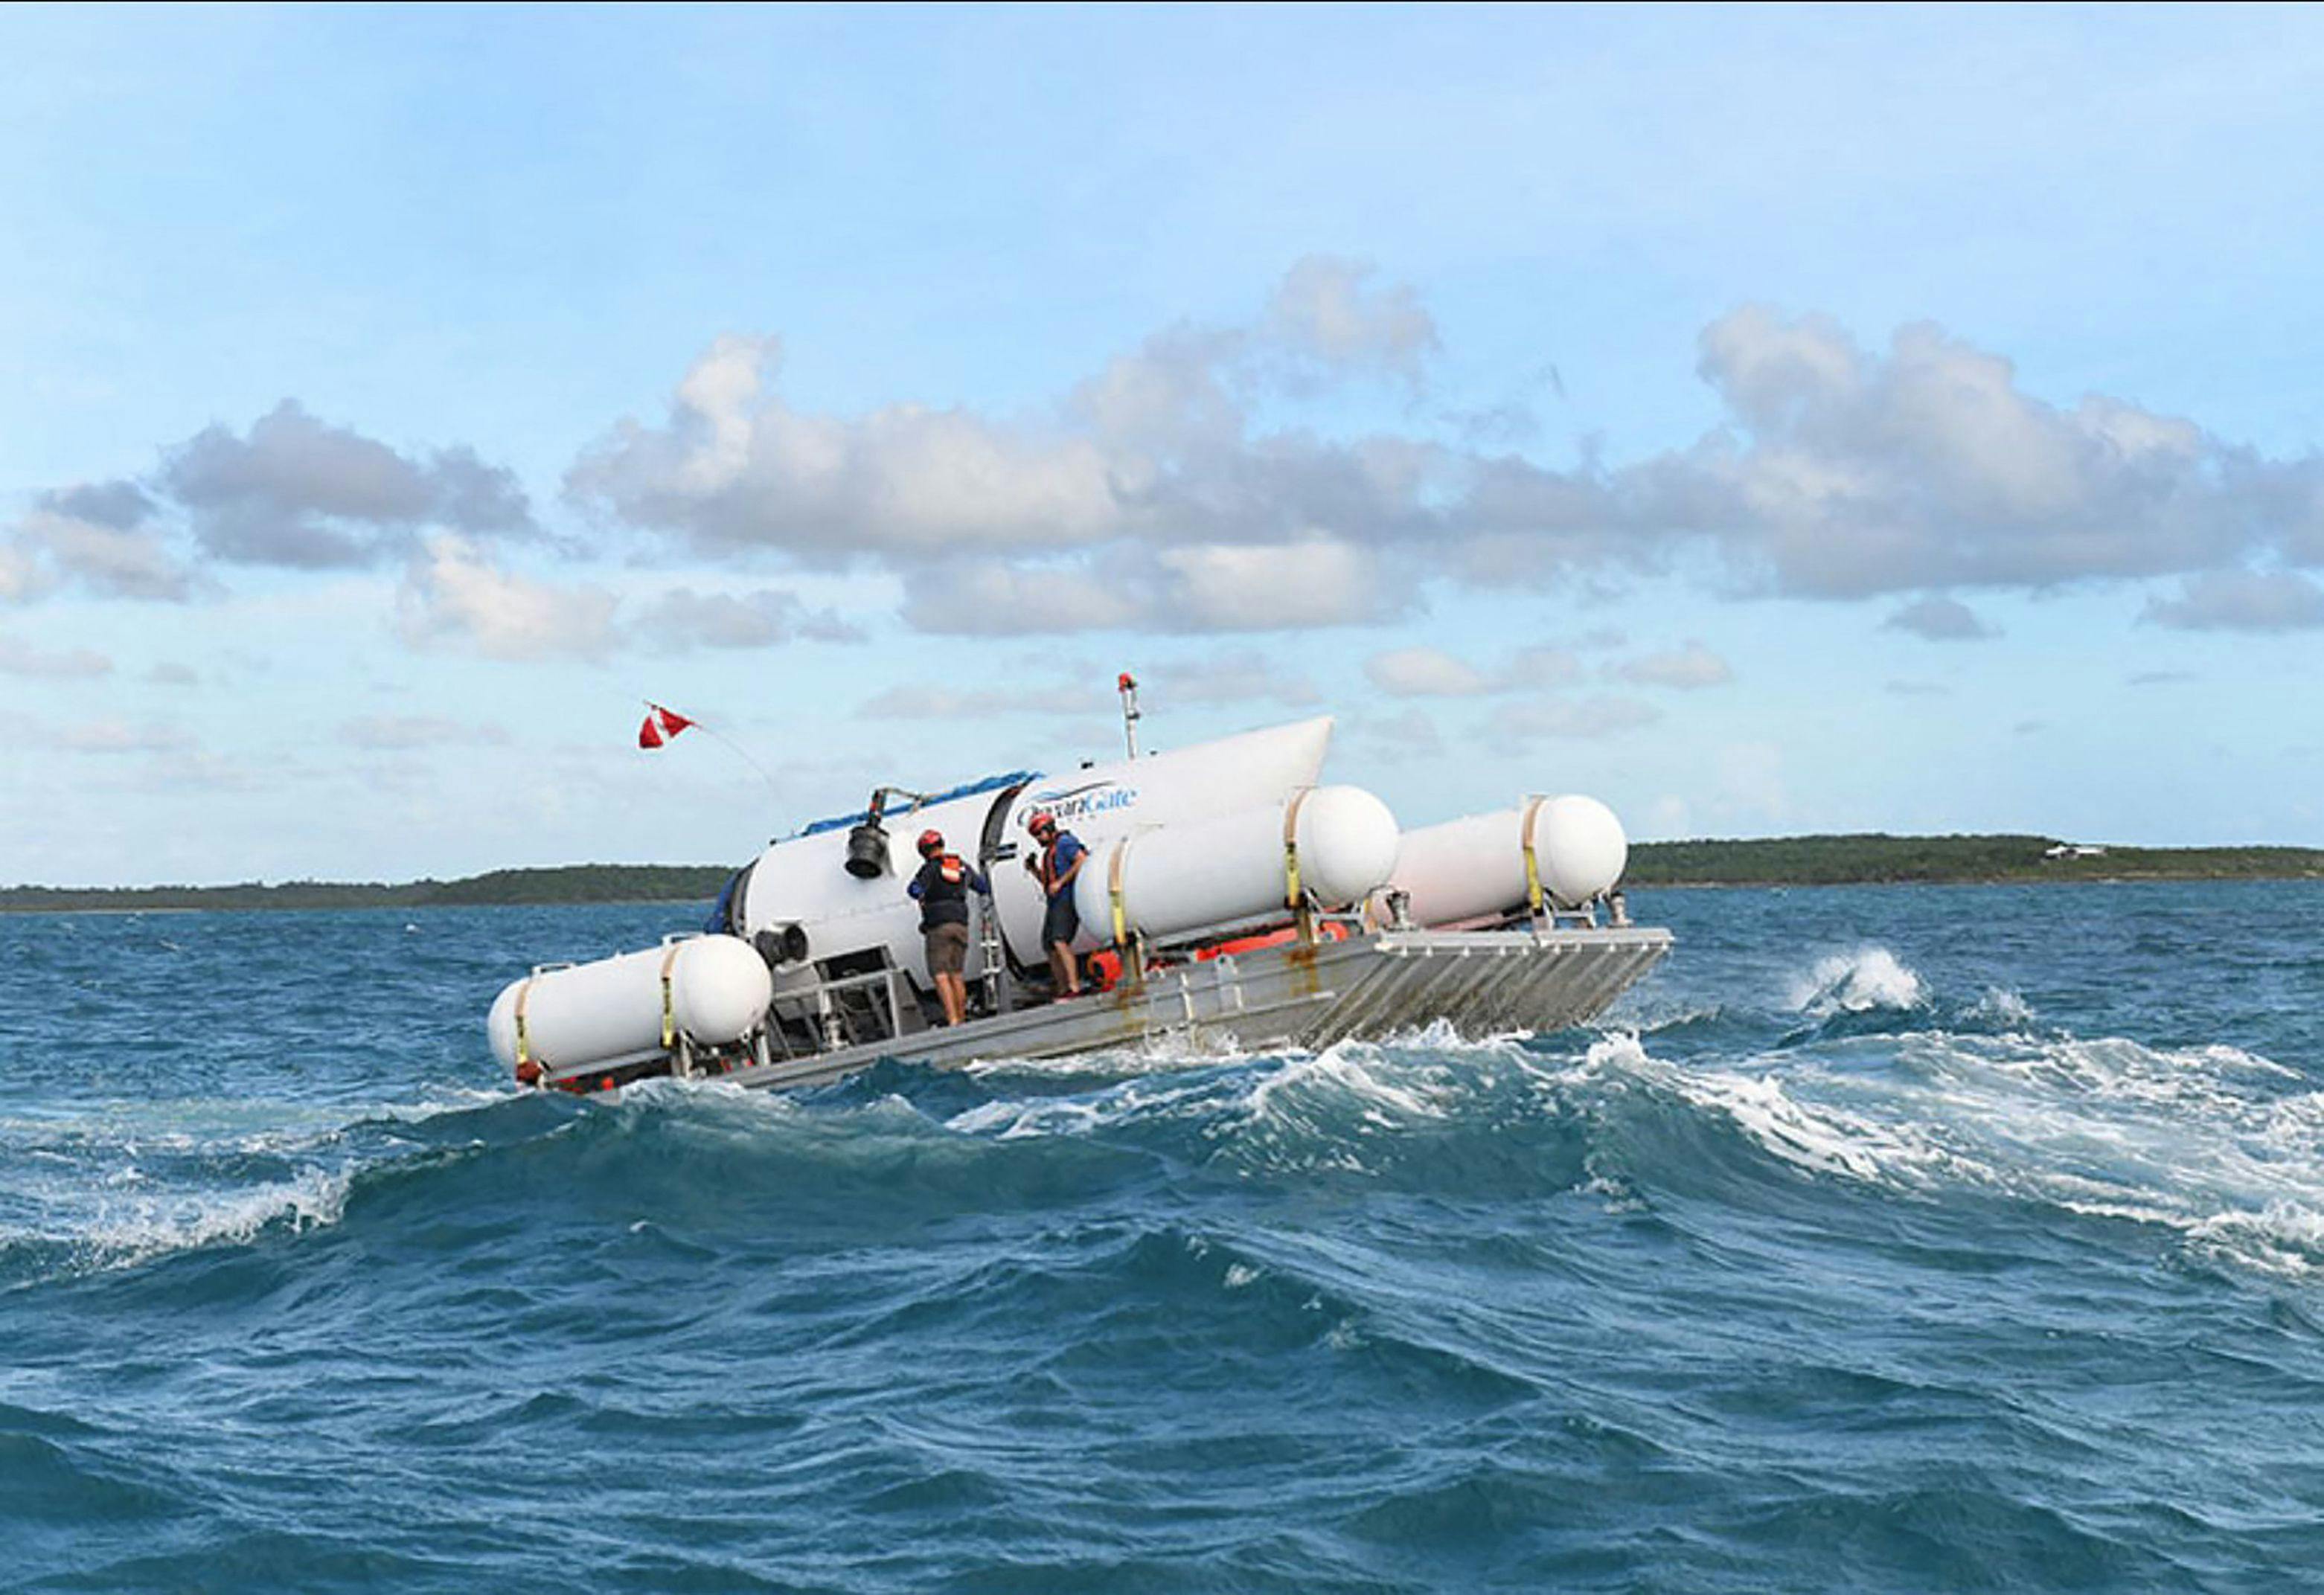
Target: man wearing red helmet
x=1055, y=865
x=941, y=887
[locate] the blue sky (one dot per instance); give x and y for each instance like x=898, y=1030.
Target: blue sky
x=1767, y=421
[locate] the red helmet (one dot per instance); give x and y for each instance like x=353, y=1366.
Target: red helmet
x=931, y=841
x=1042, y=822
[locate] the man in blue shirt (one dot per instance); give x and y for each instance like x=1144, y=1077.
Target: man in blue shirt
x=1059, y=861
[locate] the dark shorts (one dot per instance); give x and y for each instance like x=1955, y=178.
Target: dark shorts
x=948, y=948
x=1062, y=923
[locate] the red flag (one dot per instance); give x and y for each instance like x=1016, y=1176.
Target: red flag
x=660, y=726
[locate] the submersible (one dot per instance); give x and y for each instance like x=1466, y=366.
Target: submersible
x=1228, y=896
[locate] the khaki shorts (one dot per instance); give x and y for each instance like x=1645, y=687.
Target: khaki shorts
x=948, y=948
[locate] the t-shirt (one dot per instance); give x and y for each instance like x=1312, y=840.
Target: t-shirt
x=942, y=901
x=1062, y=854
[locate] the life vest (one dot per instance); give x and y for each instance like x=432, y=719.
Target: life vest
x=946, y=875
x=1049, y=870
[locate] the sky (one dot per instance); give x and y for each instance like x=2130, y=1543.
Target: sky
x=1767, y=421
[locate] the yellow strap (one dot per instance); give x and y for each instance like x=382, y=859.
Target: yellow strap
x=1113, y=868
x=1533, y=865
x=668, y=1013
x=1291, y=898
x=523, y=1042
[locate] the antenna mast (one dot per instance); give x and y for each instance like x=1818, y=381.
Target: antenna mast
x=1128, y=686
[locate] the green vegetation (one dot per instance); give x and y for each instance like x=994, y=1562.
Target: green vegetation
x=1784, y=861
x=1832, y=860
x=573, y=884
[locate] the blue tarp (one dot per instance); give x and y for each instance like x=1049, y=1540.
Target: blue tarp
x=992, y=783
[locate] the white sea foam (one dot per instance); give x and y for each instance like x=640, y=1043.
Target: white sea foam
x=2001, y=1006
x=140, y=1229
x=1353, y=1070
x=1168, y=1050
x=2201, y=1141
x=1856, y=982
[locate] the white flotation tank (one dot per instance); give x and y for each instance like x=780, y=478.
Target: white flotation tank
x=1233, y=868
x=615, y=1011
x=1475, y=868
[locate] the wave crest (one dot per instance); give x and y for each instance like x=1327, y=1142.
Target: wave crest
x=1868, y=978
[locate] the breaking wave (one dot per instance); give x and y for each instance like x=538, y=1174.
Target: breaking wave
x=2221, y=1148
x=1855, y=982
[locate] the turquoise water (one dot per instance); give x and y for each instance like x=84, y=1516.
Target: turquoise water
x=1896, y=1239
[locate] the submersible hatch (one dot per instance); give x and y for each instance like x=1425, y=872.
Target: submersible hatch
x=1228, y=899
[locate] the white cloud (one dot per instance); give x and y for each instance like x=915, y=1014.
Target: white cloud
x=2242, y=601
x=1669, y=815
x=1081, y=688
x=1431, y=672
x=1162, y=493
x=683, y=619
x=1156, y=469
x=129, y=560
x=453, y=596
x=736, y=467
x=119, y=737
x=1235, y=677
x=398, y=732
x=1844, y=473
x=1689, y=668
x=1326, y=309
x=1529, y=720
x=22, y=576
x=1207, y=588
x=994, y=597
x=1208, y=479
x=1412, y=733
x=919, y=701
x=292, y=492
x=19, y=657
x=1315, y=581
x=1939, y=620
x=296, y=490
x=1424, y=672
x=1748, y=781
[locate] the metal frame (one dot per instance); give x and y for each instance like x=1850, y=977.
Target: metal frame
x=1534, y=974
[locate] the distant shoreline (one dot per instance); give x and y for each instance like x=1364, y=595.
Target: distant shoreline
x=1862, y=860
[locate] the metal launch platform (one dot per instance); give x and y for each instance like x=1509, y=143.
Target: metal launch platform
x=1373, y=984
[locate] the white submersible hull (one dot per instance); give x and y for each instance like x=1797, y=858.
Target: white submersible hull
x=1226, y=899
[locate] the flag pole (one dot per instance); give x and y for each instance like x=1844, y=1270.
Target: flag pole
x=730, y=744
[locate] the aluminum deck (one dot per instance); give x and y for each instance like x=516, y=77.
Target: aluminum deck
x=1479, y=981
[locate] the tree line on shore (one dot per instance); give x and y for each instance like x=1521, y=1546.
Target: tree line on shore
x=1782, y=860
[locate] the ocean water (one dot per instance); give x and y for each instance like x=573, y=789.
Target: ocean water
x=1895, y=1239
